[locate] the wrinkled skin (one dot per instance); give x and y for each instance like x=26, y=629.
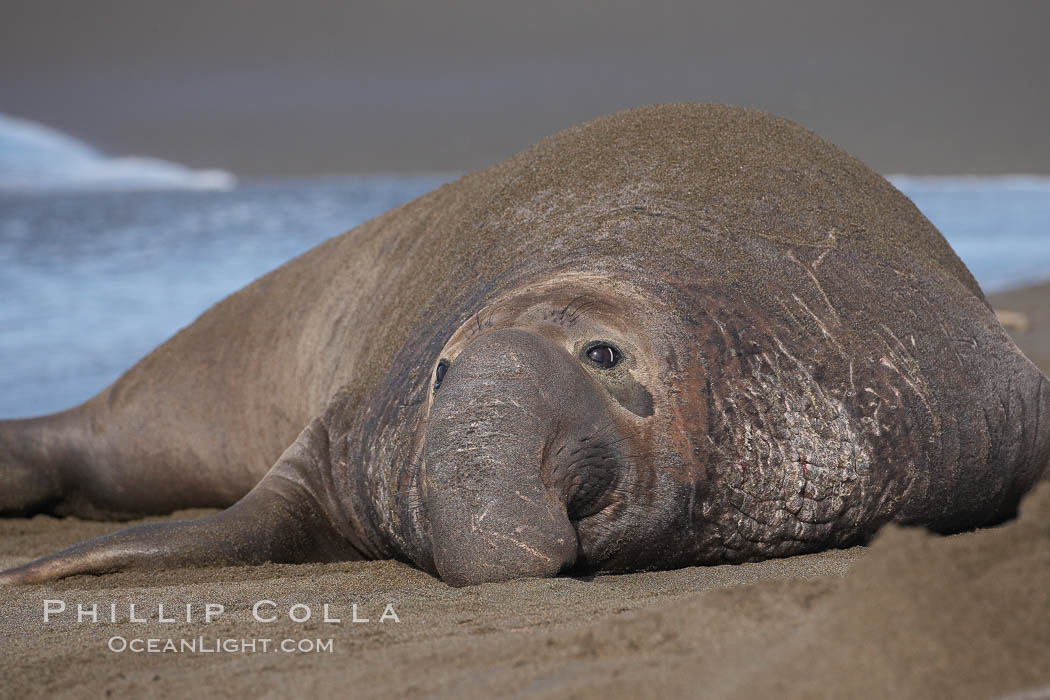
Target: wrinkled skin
x=534, y=456
x=770, y=398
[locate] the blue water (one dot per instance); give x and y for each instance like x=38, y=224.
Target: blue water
x=92, y=281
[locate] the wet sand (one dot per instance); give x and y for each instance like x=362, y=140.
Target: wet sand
x=1031, y=329
x=912, y=616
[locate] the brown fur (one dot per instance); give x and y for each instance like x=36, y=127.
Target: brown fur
x=788, y=267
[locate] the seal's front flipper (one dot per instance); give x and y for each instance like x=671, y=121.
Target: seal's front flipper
x=280, y=520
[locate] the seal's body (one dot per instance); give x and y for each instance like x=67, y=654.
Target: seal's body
x=676, y=335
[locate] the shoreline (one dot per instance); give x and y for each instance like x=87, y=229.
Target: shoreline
x=1028, y=321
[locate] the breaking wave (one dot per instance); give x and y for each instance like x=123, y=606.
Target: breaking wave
x=34, y=158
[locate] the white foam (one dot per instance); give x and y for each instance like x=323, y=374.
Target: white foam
x=36, y=158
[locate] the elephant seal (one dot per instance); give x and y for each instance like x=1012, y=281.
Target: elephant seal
x=677, y=335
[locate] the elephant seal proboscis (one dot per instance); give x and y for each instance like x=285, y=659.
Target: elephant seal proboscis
x=677, y=335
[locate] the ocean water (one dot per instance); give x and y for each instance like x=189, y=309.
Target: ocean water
x=92, y=281
x=34, y=157
x=102, y=257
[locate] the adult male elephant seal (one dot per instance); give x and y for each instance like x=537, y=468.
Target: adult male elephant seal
x=687, y=334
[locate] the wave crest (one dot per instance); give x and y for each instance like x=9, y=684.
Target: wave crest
x=35, y=158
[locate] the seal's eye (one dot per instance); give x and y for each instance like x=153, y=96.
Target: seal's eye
x=439, y=374
x=604, y=355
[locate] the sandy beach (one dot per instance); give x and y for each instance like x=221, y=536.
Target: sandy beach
x=911, y=616
x=1031, y=308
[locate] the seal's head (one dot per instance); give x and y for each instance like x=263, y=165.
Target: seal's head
x=542, y=445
